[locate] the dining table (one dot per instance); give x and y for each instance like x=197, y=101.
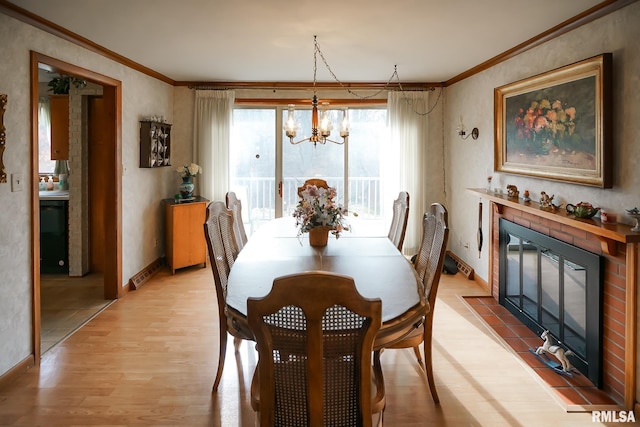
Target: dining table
x=378, y=268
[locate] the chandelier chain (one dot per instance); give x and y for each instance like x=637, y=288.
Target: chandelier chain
x=317, y=51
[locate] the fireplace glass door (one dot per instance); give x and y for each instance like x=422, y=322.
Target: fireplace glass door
x=549, y=284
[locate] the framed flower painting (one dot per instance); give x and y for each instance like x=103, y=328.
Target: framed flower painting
x=557, y=125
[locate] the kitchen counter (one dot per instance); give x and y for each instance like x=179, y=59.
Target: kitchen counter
x=54, y=195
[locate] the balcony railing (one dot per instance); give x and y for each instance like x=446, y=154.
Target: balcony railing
x=258, y=196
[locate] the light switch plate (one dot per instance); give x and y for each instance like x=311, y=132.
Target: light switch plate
x=16, y=182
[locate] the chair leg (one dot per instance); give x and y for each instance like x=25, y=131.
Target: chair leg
x=416, y=350
x=236, y=343
x=223, y=352
x=429, y=365
x=379, y=401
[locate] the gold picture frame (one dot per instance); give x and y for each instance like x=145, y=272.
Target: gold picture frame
x=557, y=125
x=3, y=138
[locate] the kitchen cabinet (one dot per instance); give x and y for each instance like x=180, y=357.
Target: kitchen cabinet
x=184, y=233
x=155, y=144
x=59, y=105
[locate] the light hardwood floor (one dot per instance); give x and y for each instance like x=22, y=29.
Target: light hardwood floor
x=67, y=303
x=150, y=359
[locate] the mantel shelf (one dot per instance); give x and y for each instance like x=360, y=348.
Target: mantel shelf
x=607, y=233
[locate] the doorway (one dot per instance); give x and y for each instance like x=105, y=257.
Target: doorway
x=110, y=176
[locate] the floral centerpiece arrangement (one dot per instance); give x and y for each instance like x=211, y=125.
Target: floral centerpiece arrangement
x=317, y=209
x=187, y=172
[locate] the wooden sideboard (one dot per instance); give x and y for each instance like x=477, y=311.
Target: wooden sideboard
x=184, y=233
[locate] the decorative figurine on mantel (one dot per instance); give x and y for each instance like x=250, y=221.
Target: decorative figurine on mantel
x=635, y=214
x=512, y=192
x=546, y=201
x=526, y=197
x=564, y=367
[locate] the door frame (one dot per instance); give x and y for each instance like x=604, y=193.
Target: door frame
x=112, y=93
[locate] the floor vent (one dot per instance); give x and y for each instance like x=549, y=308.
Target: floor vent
x=463, y=268
x=147, y=273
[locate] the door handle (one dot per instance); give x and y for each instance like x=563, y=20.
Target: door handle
x=280, y=189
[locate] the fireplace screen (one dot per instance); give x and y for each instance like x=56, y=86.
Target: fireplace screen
x=549, y=284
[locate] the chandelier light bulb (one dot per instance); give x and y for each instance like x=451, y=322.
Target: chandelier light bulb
x=290, y=126
x=325, y=121
x=344, y=126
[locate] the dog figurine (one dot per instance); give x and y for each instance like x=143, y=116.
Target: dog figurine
x=512, y=192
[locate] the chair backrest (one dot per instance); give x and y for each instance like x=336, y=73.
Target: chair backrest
x=399, y=220
x=432, y=250
x=314, y=335
x=234, y=204
x=320, y=183
x=218, y=232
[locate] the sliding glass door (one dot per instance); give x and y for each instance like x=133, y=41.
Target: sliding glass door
x=266, y=169
x=252, y=164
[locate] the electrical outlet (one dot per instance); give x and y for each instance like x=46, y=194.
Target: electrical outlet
x=155, y=242
x=16, y=182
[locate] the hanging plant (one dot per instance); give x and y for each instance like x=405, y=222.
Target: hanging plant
x=60, y=85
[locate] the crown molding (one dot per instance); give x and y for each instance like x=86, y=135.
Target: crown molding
x=590, y=15
x=587, y=16
x=36, y=21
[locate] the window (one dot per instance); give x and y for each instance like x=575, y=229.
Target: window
x=261, y=157
x=46, y=165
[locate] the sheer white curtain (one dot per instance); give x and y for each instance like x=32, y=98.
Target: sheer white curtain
x=409, y=139
x=46, y=165
x=212, y=133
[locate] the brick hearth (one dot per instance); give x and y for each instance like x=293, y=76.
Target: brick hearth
x=619, y=248
x=576, y=393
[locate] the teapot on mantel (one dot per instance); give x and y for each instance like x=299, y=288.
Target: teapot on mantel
x=582, y=210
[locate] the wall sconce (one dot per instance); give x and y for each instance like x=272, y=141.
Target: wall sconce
x=463, y=134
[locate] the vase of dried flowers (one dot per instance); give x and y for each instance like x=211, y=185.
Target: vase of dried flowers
x=319, y=236
x=318, y=214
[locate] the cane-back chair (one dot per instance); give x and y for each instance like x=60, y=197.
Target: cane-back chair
x=235, y=206
x=314, y=335
x=218, y=232
x=320, y=183
x=428, y=265
x=398, y=227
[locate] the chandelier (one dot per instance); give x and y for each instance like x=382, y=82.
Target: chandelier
x=320, y=130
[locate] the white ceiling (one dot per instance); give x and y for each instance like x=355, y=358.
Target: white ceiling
x=272, y=40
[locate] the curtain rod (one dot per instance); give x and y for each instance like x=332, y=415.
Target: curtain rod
x=306, y=85
x=301, y=102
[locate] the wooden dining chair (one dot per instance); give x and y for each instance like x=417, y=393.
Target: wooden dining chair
x=398, y=227
x=218, y=232
x=320, y=183
x=234, y=204
x=314, y=335
x=428, y=265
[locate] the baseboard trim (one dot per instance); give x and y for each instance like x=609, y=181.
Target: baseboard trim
x=147, y=273
x=13, y=373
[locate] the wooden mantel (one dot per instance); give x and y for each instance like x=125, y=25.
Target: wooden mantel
x=609, y=236
x=607, y=233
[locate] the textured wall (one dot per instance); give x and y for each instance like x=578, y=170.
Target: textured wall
x=469, y=161
x=142, y=189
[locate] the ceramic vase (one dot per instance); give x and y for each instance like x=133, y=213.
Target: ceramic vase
x=186, y=188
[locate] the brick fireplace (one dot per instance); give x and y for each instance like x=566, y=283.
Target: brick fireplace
x=618, y=247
